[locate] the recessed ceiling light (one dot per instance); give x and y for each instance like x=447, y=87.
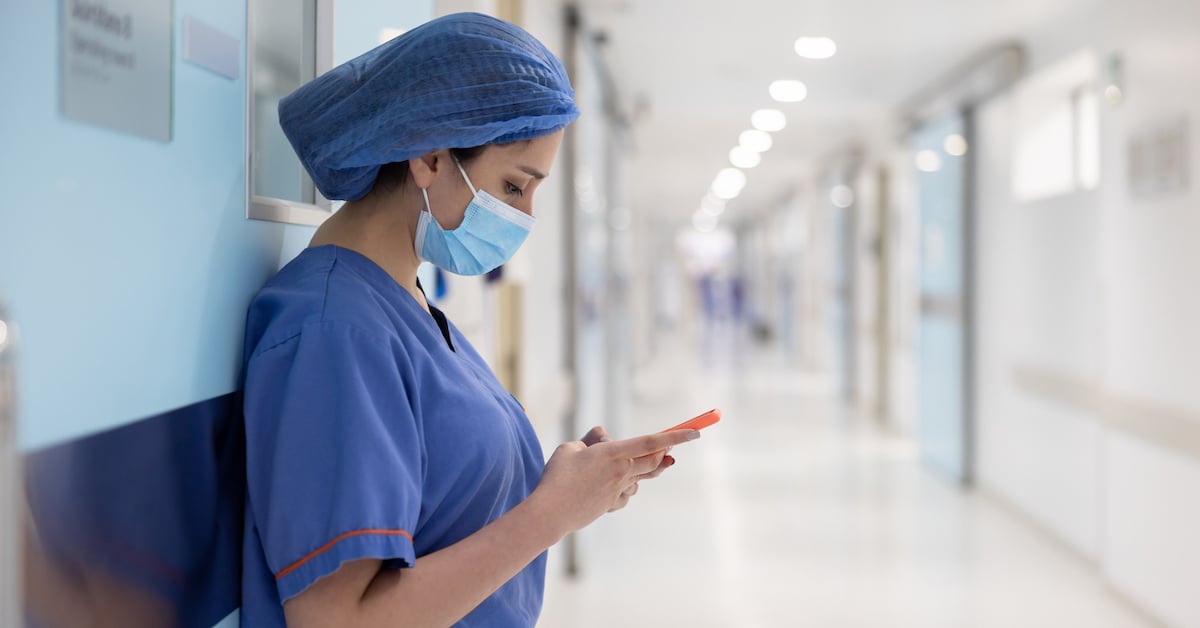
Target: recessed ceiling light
x=928, y=161
x=788, y=91
x=742, y=157
x=711, y=204
x=755, y=140
x=729, y=183
x=769, y=120
x=841, y=196
x=955, y=145
x=815, y=47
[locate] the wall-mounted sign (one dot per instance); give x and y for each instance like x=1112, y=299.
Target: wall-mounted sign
x=209, y=48
x=116, y=64
x=1158, y=163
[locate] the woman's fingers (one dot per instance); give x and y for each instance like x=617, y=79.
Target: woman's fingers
x=633, y=460
x=596, y=435
x=646, y=464
x=666, y=463
x=653, y=443
x=623, y=499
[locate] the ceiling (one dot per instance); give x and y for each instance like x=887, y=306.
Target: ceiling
x=693, y=72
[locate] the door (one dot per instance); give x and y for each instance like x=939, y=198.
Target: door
x=842, y=299
x=944, y=328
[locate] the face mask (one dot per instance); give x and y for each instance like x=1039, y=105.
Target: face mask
x=490, y=234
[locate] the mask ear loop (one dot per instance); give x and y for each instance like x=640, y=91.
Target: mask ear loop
x=422, y=227
x=464, y=174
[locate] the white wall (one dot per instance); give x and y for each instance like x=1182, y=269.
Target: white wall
x=1037, y=307
x=1087, y=306
x=1152, y=549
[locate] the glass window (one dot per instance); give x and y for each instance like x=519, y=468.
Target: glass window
x=290, y=45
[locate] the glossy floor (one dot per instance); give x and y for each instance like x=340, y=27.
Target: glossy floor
x=795, y=512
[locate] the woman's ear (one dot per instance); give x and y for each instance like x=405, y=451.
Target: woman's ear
x=424, y=168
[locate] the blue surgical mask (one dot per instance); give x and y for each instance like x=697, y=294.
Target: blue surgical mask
x=490, y=234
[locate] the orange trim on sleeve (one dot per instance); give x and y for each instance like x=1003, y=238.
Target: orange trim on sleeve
x=296, y=565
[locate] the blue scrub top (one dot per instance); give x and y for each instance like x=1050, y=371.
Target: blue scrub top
x=373, y=430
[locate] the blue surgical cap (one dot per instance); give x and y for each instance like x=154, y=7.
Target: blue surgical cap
x=459, y=81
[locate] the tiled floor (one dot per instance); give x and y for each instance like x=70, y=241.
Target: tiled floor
x=794, y=512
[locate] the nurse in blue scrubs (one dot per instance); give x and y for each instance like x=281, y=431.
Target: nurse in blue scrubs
x=392, y=481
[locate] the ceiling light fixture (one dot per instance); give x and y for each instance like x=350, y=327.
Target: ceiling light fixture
x=815, y=47
x=928, y=161
x=728, y=184
x=711, y=204
x=841, y=196
x=704, y=222
x=755, y=140
x=742, y=157
x=769, y=120
x=955, y=145
x=788, y=91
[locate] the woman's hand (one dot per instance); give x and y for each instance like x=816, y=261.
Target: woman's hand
x=600, y=435
x=587, y=478
x=596, y=435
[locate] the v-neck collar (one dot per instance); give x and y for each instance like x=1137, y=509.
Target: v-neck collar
x=376, y=275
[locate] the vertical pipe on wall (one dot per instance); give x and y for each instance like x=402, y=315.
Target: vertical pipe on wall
x=570, y=288
x=851, y=259
x=968, y=297
x=883, y=341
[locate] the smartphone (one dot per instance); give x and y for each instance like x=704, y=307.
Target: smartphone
x=698, y=423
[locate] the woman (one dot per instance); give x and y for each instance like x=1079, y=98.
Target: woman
x=391, y=480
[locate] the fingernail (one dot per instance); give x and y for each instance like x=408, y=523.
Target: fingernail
x=693, y=435
x=670, y=461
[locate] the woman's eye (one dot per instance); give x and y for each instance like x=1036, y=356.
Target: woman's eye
x=514, y=190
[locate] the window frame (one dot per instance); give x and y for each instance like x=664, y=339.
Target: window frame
x=269, y=208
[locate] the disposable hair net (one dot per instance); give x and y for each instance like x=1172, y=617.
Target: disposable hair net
x=459, y=81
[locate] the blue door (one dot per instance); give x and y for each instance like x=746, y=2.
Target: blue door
x=841, y=307
x=939, y=150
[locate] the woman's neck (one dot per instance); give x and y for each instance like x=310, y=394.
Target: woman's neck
x=380, y=230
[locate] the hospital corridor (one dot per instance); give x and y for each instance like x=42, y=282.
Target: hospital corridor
x=794, y=511
x=600, y=313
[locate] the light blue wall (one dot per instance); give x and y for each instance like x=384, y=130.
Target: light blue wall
x=128, y=263
x=358, y=23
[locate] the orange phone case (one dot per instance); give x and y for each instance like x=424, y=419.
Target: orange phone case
x=698, y=423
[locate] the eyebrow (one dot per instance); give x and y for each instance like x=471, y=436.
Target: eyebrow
x=533, y=172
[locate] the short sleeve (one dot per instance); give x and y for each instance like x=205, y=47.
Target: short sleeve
x=333, y=453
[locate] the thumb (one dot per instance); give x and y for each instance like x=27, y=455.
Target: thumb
x=596, y=435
